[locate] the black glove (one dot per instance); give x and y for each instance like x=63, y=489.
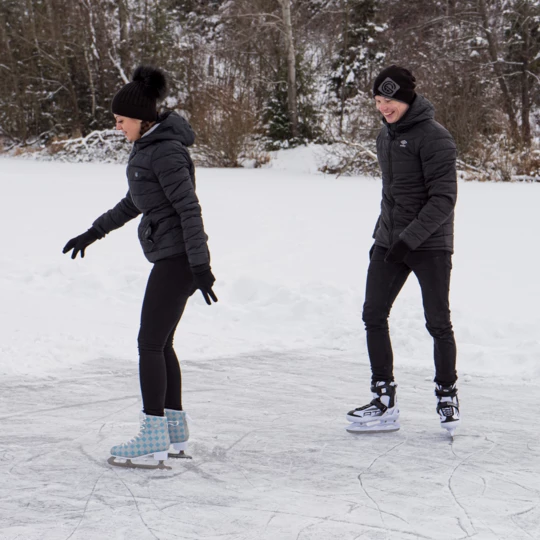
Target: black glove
x=397, y=252
x=204, y=279
x=81, y=242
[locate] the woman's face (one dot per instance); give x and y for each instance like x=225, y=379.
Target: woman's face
x=131, y=127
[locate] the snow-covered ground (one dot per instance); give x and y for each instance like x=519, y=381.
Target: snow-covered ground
x=269, y=371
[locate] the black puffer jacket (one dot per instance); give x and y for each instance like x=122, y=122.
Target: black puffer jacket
x=161, y=179
x=417, y=157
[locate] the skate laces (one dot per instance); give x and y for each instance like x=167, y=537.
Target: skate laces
x=188, y=418
x=447, y=399
x=447, y=405
x=141, y=430
x=447, y=408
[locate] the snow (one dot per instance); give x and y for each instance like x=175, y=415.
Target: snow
x=269, y=372
x=303, y=159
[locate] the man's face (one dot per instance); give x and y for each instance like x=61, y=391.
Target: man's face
x=391, y=109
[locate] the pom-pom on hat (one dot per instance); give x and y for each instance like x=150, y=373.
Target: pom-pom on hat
x=395, y=82
x=138, y=98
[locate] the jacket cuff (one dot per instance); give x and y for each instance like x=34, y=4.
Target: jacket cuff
x=95, y=233
x=200, y=268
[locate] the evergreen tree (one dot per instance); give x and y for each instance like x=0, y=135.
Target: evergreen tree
x=361, y=50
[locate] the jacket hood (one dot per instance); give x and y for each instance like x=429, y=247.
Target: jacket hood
x=420, y=110
x=171, y=126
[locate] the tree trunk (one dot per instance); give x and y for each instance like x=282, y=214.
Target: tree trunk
x=124, y=34
x=91, y=83
x=493, y=51
x=525, y=87
x=291, y=66
x=345, y=9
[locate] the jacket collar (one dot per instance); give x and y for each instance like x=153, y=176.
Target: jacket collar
x=420, y=110
x=171, y=126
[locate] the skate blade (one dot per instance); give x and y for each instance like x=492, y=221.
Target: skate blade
x=451, y=431
x=179, y=455
x=128, y=464
x=370, y=420
x=375, y=428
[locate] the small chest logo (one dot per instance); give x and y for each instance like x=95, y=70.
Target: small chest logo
x=136, y=175
x=403, y=144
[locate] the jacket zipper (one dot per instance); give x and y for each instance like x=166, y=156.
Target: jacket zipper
x=392, y=136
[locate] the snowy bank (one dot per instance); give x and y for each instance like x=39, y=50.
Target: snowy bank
x=289, y=250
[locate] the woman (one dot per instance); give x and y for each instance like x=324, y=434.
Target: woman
x=161, y=179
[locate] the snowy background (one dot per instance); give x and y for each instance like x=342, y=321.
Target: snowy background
x=269, y=372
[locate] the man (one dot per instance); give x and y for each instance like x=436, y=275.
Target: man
x=414, y=233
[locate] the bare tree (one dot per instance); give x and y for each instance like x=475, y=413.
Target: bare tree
x=123, y=45
x=496, y=61
x=291, y=65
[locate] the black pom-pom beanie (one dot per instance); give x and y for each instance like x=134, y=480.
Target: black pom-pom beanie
x=395, y=82
x=138, y=98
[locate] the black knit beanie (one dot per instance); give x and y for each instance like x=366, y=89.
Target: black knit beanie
x=138, y=98
x=395, y=82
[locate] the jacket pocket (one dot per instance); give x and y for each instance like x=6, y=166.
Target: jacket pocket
x=146, y=232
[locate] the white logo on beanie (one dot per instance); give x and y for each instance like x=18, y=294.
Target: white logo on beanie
x=388, y=87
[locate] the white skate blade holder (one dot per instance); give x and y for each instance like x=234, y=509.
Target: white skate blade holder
x=451, y=427
x=180, y=451
x=390, y=416
x=127, y=463
x=374, y=426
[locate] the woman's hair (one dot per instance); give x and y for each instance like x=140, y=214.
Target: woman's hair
x=146, y=125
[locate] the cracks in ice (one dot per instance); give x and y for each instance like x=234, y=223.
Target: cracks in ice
x=268, y=522
x=241, y=439
x=85, y=506
x=529, y=447
x=136, y=505
x=454, y=496
x=328, y=519
x=522, y=513
x=63, y=407
x=518, y=484
x=366, y=492
x=457, y=500
x=304, y=529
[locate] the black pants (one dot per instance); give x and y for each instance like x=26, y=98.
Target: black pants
x=169, y=286
x=384, y=282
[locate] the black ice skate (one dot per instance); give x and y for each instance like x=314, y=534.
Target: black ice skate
x=448, y=407
x=382, y=414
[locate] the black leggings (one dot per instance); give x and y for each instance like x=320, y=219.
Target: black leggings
x=169, y=286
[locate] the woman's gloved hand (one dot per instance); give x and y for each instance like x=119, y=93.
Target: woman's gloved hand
x=204, y=279
x=81, y=242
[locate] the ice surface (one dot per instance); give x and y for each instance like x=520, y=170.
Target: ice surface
x=269, y=372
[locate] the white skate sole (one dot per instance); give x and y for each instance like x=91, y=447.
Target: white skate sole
x=128, y=463
x=390, y=415
x=180, y=449
x=373, y=427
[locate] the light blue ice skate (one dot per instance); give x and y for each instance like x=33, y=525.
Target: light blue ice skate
x=152, y=441
x=178, y=432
